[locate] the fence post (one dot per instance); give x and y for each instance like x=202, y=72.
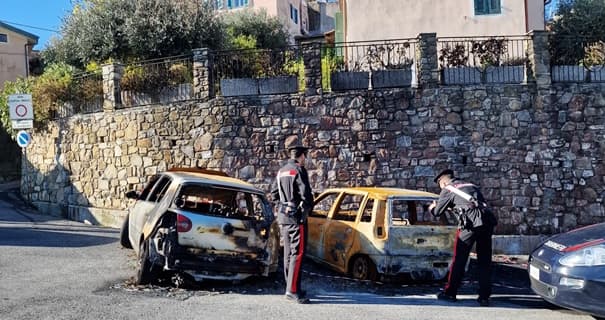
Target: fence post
x=202, y=84
x=539, y=59
x=312, y=61
x=427, y=68
x=112, y=73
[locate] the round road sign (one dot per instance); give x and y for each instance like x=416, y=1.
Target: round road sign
x=23, y=139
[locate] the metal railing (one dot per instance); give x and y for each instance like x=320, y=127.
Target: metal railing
x=85, y=95
x=471, y=60
x=255, y=64
x=367, y=57
x=577, y=59
x=162, y=80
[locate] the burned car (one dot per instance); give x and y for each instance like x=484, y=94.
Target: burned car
x=568, y=270
x=372, y=232
x=203, y=224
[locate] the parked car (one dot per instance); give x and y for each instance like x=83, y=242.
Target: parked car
x=372, y=232
x=201, y=223
x=568, y=270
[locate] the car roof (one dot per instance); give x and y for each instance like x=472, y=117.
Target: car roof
x=383, y=193
x=207, y=178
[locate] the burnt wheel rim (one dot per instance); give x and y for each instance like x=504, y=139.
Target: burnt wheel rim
x=361, y=268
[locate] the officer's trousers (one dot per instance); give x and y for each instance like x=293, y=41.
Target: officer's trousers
x=463, y=244
x=294, y=238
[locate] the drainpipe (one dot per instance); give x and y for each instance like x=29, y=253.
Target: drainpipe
x=526, y=18
x=26, y=60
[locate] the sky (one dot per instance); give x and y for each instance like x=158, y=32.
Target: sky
x=38, y=17
x=42, y=17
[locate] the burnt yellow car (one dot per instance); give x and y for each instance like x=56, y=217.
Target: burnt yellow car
x=372, y=232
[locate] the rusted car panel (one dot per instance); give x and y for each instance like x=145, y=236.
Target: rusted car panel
x=208, y=226
x=370, y=231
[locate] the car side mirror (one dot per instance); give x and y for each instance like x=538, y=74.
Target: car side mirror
x=179, y=203
x=132, y=195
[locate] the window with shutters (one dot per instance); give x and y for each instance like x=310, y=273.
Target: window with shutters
x=3, y=37
x=483, y=7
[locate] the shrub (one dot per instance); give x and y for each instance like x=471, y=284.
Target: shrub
x=453, y=56
x=51, y=90
x=595, y=54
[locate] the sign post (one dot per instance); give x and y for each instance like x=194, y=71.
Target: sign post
x=21, y=111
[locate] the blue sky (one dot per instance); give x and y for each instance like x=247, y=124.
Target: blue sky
x=41, y=14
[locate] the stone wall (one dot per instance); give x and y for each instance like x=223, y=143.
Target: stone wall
x=537, y=154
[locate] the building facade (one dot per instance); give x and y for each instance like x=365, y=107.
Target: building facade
x=400, y=19
x=293, y=13
x=16, y=48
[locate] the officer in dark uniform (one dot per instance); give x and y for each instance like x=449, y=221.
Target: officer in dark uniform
x=293, y=191
x=476, y=224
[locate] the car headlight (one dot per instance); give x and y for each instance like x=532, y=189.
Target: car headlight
x=585, y=257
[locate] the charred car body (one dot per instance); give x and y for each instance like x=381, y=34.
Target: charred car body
x=568, y=270
x=367, y=232
x=203, y=224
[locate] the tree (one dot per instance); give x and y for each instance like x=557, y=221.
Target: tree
x=100, y=30
x=258, y=26
x=575, y=25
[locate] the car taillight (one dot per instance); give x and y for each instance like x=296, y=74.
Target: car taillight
x=183, y=224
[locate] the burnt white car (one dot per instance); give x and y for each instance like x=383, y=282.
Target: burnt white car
x=203, y=224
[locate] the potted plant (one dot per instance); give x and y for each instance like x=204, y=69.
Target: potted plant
x=395, y=66
x=454, y=65
x=345, y=76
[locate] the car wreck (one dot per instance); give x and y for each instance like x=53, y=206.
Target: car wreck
x=373, y=232
x=202, y=224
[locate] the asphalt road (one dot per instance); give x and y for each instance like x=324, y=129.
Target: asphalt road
x=56, y=269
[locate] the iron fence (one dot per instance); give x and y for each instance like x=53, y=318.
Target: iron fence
x=576, y=59
x=162, y=80
x=251, y=64
x=367, y=58
x=470, y=60
x=84, y=95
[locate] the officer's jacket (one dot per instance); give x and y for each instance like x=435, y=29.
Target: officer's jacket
x=463, y=208
x=293, y=192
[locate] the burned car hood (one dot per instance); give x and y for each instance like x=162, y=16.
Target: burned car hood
x=584, y=236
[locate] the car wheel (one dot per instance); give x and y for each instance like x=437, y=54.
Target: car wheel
x=124, y=240
x=147, y=271
x=363, y=268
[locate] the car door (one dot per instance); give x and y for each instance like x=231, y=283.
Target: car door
x=316, y=223
x=145, y=205
x=340, y=231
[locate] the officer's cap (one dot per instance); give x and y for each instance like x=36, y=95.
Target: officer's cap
x=446, y=172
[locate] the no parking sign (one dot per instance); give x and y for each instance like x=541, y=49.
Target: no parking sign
x=23, y=139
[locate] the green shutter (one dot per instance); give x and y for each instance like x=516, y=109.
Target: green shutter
x=339, y=35
x=494, y=6
x=480, y=7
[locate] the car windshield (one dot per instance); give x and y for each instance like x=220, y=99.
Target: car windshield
x=219, y=201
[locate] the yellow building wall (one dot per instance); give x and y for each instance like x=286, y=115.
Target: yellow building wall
x=12, y=57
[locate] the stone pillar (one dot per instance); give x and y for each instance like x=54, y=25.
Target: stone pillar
x=427, y=68
x=202, y=74
x=112, y=73
x=539, y=59
x=312, y=61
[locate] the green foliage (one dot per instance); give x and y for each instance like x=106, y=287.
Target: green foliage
x=453, y=56
x=98, y=30
x=296, y=67
x=51, y=90
x=154, y=77
x=19, y=86
x=488, y=52
x=595, y=54
x=331, y=61
x=268, y=32
x=576, y=23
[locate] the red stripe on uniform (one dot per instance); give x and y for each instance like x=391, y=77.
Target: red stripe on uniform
x=299, y=258
x=449, y=277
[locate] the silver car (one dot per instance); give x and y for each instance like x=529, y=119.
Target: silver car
x=203, y=224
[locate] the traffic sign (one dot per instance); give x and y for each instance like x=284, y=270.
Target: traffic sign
x=22, y=124
x=23, y=139
x=20, y=107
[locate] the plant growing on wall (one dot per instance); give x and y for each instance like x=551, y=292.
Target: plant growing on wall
x=488, y=52
x=595, y=54
x=453, y=55
x=331, y=61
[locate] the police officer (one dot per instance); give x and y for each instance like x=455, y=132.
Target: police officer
x=476, y=224
x=293, y=192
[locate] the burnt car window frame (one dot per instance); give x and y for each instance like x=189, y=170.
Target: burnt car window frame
x=331, y=206
x=265, y=214
x=369, y=204
x=412, y=211
x=149, y=186
x=336, y=215
x=159, y=189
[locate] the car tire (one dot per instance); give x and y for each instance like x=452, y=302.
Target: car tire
x=362, y=268
x=124, y=240
x=147, y=272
